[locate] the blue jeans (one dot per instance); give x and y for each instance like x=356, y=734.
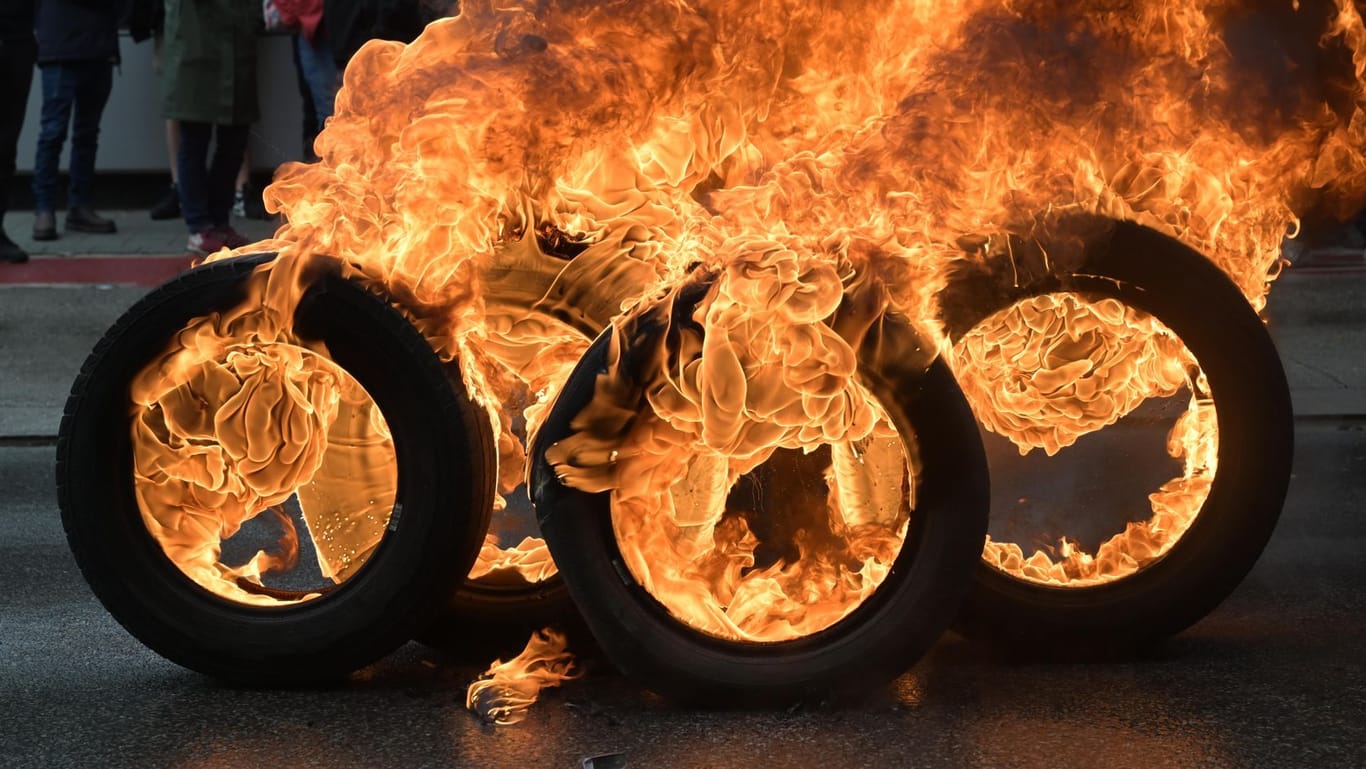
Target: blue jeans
x=320, y=72
x=74, y=94
x=206, y=188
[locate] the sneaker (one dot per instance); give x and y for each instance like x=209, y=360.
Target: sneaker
x=168, y=207
x=232, y=238
x=10, y=252
x=84, y=219
x=239, y=204
x=205, y=242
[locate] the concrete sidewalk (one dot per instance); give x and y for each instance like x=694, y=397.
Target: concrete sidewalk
x=48, y=325
x=137, y=234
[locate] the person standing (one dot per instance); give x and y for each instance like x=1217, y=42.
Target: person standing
x=78, y=46
x=146, y=21
x=209, y=59
x=316, y=66
x=18, y=52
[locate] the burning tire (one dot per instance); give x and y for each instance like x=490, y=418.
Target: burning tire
x=494, y=616
x=507, y=599
x=167, y=582
x=874, y=642
x=1153, y=579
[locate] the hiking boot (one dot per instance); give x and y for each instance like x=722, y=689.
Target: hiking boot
x=44, y=225
x=205, y=242
x=84, y=219
x=168, y=207
x=10, y=251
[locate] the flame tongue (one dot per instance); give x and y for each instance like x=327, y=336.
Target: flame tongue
x=507, y=689
x=529, y=559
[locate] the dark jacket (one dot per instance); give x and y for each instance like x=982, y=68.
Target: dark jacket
x=146, y=19
x=78, y=30
x=208, y=58
x=351, y=23
x=16, y=20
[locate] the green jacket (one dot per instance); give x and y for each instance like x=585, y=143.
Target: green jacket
x=209, y=61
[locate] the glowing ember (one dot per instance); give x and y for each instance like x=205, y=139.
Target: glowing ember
x=506, y=690
x=1048, y=370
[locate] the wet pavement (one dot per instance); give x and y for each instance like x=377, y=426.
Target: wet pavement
x=1276, y=677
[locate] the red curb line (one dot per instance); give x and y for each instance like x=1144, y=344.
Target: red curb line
x=139, y=270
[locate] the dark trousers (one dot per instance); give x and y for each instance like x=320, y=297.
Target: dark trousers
x=310, y=124
x=16, y=74
x=74, y=94
x=206, y=188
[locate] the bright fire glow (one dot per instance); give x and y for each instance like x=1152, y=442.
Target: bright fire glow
x=227, y=426
x=506, y=690
x=1048, y=370
x=522, y=175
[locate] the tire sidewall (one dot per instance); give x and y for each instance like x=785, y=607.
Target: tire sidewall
x=1189, y=295
x=433, y=536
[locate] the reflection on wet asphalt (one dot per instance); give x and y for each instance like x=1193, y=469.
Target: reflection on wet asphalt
x=1273, y=678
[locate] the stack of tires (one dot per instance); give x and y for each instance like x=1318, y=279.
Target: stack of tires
x=413, y=584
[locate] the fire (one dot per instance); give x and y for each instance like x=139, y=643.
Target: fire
x=530, y=558
x=506, y=690
x=234, y=420
x=795, y=414
x=776, y=176
x=1048, y=370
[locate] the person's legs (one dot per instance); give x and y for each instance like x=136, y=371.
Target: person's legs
x=310, y=116
x=315, y=60
x=191, y=163
x=16, y=75
x=173, y=148
x=93, y=82
x=168, y=207
x=229, y=152
x=59, y=90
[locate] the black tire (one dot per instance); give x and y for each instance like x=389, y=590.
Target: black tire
x=876, y=642
x=443, y=449
x=495, y=615
x=1191, y=296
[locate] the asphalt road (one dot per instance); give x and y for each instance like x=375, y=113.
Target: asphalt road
x=1273, y=678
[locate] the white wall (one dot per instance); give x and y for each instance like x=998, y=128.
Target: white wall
x=132, y=136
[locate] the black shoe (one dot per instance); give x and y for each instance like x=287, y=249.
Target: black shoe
x=168, y=207
x=86, y=220
x=10, y=251
x=44, y=225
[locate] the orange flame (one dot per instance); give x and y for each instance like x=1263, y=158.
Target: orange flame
x=522, y=174
x=1048, y=370
x=506, y=690
x=236, y=418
